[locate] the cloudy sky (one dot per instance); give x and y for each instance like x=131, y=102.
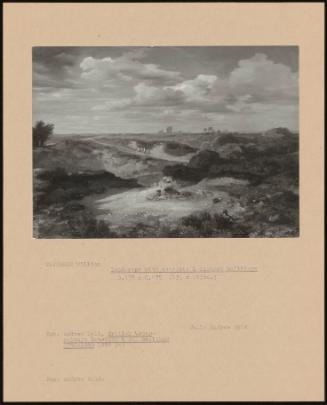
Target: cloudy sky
x=145, y=89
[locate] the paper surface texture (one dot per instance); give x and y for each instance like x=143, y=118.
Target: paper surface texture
x=162, y=319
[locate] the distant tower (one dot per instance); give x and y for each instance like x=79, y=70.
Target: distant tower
x=169, y=130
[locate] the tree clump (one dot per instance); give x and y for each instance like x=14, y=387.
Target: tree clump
x=41, y=133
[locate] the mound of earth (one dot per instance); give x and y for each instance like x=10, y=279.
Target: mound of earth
x=55, y=186
x=178, y=149
x=204, y=159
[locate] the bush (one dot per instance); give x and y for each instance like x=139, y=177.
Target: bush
x=86, y=226
x=208, y=225
x=53, y=176
x=222, y=221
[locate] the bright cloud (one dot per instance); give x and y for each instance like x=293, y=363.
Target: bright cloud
x=196, y=88
x=125, y=68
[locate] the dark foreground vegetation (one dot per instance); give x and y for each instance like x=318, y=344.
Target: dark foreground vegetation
x=58, y=207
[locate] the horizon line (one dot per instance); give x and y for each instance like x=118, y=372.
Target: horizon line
x=173, y=133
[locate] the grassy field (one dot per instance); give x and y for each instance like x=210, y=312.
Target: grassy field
x=183, y=185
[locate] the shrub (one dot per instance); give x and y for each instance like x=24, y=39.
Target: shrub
x=86, y=226
x=208, y=225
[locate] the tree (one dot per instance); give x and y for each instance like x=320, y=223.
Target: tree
x=41, y=133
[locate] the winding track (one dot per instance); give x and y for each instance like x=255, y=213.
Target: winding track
x=160, y=154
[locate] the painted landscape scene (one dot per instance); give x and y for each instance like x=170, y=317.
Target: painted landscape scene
x=165, y=142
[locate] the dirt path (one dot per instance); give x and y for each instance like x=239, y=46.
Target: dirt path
x=156, y=153
x=136, y=206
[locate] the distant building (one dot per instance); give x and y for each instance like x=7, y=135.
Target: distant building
x=169, y=130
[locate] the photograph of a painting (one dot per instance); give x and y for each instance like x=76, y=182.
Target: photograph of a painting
x=165, y=142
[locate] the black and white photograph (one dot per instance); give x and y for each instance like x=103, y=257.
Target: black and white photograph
x=165, y=142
